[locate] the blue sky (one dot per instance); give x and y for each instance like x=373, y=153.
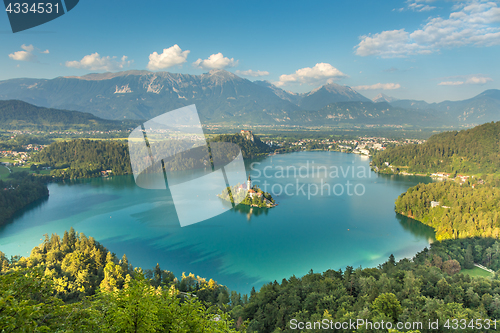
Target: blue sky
x=418, y=49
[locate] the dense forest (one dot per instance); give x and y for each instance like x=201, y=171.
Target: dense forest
x=427, y=288
x=74, y=284
x=462, y=211
x=83, y=158
x=472, y=151
x=17, y=191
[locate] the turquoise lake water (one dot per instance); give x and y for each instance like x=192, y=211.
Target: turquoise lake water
x=242, y=247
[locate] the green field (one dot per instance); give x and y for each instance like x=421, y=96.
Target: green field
x=6, y=159
x=27, y=168
x=476, y=271
x=4, y=172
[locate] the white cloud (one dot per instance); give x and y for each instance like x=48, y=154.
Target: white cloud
x=478, y=80
x=470, y=79
x=321, y=73
x=95, y=62
x=22, y=56
x=389, y=44
x=382, y=86
x=417, y=6
x=450, y=83
x=252, y=73
x=473, y=24
x=170, y=57
x=215, y=61
x=27, y=54
x=28, y=48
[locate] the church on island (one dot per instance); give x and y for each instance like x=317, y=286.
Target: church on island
x=247, y=194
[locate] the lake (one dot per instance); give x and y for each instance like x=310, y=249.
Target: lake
x=351, y=223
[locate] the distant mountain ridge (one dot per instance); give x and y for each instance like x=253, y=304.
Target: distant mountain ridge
x=479, y=109
x=19, y=115
x=222, y=97
x=218, y=94
x=366, y=113
x=319, y=97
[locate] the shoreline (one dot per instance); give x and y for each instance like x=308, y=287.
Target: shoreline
x=269, y=220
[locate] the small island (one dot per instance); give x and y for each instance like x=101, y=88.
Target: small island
x=249, y=195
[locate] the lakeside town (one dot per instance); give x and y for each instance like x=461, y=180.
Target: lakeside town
x=362, y=145
x=19, y=158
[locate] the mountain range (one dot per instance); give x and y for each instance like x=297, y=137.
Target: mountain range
x=317, y=98
x=223, y=97
x=480, y=109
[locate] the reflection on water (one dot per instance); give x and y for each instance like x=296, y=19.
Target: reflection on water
x=32, y=207
x=248, y=211
x=416, y=228
x=251, y=211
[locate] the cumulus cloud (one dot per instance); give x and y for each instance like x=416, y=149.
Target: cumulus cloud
x=168, y=58
x=215, y=61
x=22, y=56
x=252, y=73
x=475, y=23
x=95, y=62
x=381, y=86
x=471, y=79
x=321, y=73
x=27, y=54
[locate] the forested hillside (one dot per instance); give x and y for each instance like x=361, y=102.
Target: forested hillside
x=18, y=115
x=85, y=158
x=250, y=148
x=18, y=191
x=472, y=151
x=462, y=211
x=77, y=285
x=428, y=288
x=74, y=284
